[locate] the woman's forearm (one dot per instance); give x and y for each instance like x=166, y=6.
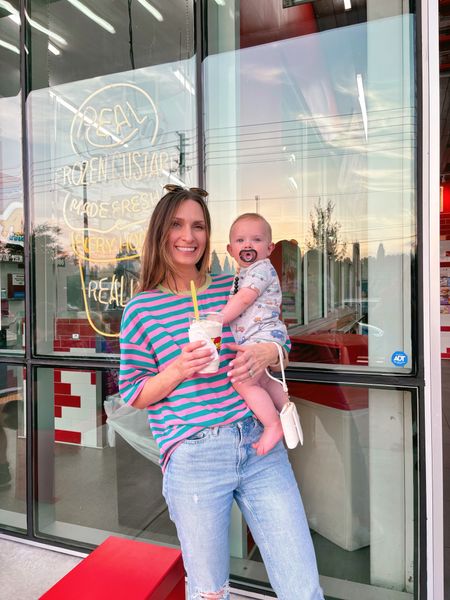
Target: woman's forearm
x=193, y=358
x=159, y=386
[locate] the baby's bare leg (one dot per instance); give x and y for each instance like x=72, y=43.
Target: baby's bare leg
x=260, y=402
x=275, y=390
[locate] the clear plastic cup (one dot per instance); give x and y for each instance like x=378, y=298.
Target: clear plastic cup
x=209, y=329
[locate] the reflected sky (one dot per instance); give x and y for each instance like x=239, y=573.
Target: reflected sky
x=326, y=119
x=324, y=116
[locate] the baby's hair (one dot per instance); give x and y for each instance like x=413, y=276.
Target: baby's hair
x=250, y=217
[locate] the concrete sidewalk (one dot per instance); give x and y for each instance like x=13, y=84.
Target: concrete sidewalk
x=28, y=571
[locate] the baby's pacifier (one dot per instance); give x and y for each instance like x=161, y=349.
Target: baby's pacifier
x=248, y=255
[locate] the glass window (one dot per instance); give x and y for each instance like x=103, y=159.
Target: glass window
x=95, y=478
x=90, y=39
x=12, y=448
x=356, y=473
x=310, y=120
x=12, y=288
x=112, y=118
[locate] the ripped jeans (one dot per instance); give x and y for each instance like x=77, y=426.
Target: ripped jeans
x=205, y=473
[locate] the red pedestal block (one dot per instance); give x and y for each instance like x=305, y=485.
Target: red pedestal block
x=121, y=568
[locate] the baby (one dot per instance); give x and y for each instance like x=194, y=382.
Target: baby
x=253, y=311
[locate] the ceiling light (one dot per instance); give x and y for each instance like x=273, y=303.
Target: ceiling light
x=42, y=29
x=92, y=15
x=347, y=4
x=362, y=103
x=15, y=16
x=75, y=111
x=293, y=183
x=173, y=178
x=220, y=2
x=187, y=84
x=53, y=49
x=10, y=47
x=9, y=7
x=14, y=13
x=152, y=10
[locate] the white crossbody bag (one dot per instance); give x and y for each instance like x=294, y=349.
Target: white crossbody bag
x=290, y=419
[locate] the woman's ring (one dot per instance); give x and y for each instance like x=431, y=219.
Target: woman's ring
x=250, y=372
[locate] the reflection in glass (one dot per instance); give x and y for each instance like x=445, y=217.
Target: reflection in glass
x=12, y=449
x=355, y=471
x=95, y=478
x=12, y=289
x=311, y=120
x=101, y=150
x=105, y=37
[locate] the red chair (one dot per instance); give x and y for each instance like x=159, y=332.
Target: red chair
x=121, y=568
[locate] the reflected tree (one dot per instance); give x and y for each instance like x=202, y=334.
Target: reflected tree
x=216, y=269
x=49, y=235
x=324, y=232
x=228, y=267
x=127, y=271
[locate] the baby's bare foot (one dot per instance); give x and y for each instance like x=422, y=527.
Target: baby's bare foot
x=270, y=437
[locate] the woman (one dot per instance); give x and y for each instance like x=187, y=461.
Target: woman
x=203, y=428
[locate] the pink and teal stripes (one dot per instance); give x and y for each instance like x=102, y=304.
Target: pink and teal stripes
x=154, y=329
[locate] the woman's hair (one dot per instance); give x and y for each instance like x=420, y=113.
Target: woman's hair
x=156, y=261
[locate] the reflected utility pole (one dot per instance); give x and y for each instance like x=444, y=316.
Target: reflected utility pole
x=86, y=252
x=85, y=231
x=182, y=154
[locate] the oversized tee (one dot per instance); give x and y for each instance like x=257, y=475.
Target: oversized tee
x=154, y=329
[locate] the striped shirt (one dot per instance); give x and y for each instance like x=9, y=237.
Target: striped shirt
x=154, y=329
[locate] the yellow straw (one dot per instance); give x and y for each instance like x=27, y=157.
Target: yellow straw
x=194, y=301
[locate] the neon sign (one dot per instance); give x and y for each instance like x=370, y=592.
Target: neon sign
x=113, y=132
x=113, y=116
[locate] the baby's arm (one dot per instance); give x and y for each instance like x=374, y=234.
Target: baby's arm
x=239, y=302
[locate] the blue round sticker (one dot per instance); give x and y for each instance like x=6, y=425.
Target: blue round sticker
x=399, y=359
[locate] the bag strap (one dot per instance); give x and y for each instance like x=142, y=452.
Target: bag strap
x=281, y=358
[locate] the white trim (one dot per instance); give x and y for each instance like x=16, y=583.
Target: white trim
x=340, y=589
x=351, y=590
x=12, y=538
x=11, y=518
x=237, y=594
x=430, y=162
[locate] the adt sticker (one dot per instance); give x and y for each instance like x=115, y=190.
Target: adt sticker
x=399, y=359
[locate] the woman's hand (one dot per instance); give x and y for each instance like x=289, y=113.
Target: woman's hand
x=193, y=358
x=251, y=360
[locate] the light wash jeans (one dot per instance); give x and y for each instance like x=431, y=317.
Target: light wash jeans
x=203, y=476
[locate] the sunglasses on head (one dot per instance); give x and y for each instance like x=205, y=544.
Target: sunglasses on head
x=172, y=187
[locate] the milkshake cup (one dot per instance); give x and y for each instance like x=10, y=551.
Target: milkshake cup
x=208, y=327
